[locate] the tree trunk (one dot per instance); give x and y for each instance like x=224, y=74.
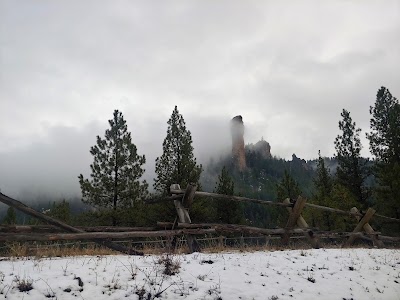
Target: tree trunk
x=114, y=220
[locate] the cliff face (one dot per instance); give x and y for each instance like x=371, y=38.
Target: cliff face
x=237, y=131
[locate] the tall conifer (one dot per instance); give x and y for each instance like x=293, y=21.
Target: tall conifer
x=352, y=170
x=384, y=142
x=116, y=170
x=177, y=164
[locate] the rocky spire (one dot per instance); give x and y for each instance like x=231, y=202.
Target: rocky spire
x=237, y=131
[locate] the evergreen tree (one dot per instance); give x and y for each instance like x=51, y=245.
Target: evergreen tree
x=323, y=179
x=351, y=171
x=287, y=187
x=61, y=211
x=384, y=139
x=177, y=163
x=228, y=211
x=323, y=195
x=332, y=194
x=11, y=217
x=384, y=142
x=225, y=184
x=116, y=170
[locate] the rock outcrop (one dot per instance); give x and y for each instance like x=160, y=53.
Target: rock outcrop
x=238, y=153
x=264, y=148
x=301, y=162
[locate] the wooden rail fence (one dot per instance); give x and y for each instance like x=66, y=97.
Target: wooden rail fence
x=296, y=226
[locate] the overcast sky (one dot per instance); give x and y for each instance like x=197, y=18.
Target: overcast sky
x=288, y=67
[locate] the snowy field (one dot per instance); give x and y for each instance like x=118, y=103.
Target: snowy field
x=338, y=274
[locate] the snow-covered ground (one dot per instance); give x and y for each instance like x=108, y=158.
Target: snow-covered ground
x=338, y=274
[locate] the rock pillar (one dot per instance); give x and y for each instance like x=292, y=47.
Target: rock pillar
x=237, y=131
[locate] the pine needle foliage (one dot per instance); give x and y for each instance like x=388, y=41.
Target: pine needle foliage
x=116, y=170
x=288, y=187
x=352, y=169
x=177, y=164
x=228, y=212
x=384, y=142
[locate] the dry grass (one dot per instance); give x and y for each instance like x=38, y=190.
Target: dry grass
x=16, y=249
x=54, y=250
x=154, y=247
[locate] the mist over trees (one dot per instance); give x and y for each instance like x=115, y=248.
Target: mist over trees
x=114, y=192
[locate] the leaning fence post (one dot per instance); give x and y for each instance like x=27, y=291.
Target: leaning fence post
x=182, y=207
x=364, y=225
x=295, y=218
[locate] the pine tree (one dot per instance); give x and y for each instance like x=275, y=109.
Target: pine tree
x=11, y=217
x=352, y=170
x=177, y=164
x=323, y=180
x=332, y=194
x=116, y=170
x=323, y=196
x=287, y=187
x=384, y=139
x=384, y=142
x=225, y=184
x=228, y=211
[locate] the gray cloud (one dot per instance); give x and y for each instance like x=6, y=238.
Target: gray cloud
x=288, y=68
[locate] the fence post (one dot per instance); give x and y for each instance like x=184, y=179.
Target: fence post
x=364, y=225
x=295, y=218
x=182, y=207
x=221, y=242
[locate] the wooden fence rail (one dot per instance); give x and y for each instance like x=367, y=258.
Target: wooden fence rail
x=296, y=226
x=177, y=192
x=29, y=211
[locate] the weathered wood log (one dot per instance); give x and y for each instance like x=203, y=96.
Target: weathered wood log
x=368, y=229
x=50, y=228
x=188, y=196
x=291, y=220
x=169, y=225
x=364, y=220
x=233, y=228
x=163, y=199
x=115, y=228
x=390, y=238
x=101, y=235
x=181, y=207
x=182, y=212
x=309, y=234
x=294, y=214
x=388, y=219
x=333, y=210
x=145, y=234
x=178, y=192
x=29, y=211
x=227, y=197
x=230, y=228
x=29, y=228
x=169, y=233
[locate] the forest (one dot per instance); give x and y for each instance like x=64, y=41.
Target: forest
x=115, y=193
